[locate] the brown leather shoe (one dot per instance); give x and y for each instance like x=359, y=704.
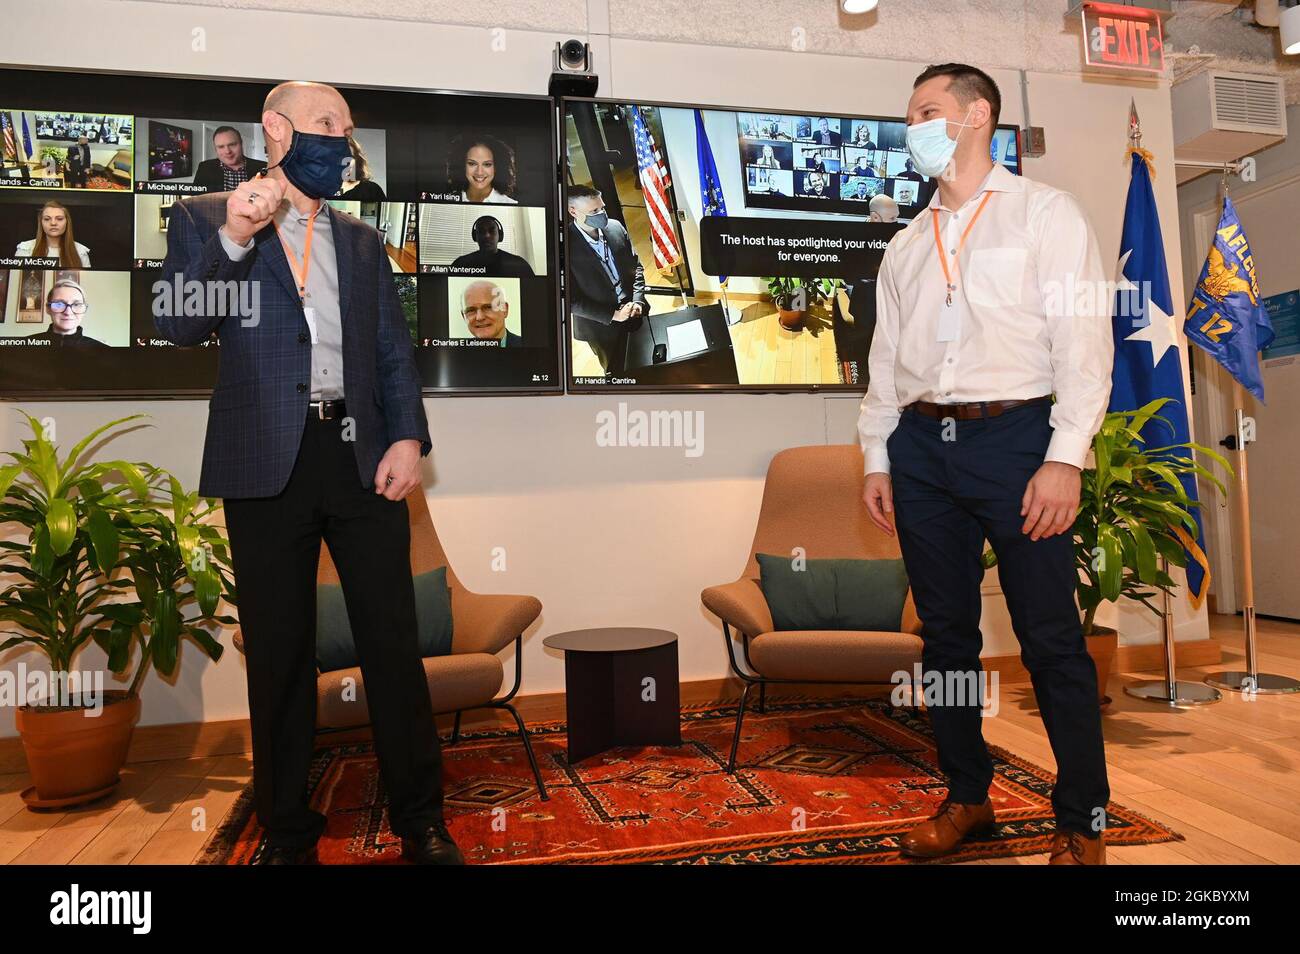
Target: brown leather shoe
x=1074, y=848
x=947, y=827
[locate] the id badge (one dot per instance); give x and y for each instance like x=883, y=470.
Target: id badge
x=949, y=321
x=309, y=313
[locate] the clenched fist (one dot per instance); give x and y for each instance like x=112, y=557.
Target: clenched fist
x=250, y=207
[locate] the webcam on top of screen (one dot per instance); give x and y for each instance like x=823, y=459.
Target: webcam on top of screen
x=573, y=71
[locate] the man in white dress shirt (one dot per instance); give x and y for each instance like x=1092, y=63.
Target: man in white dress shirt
x=979, y=326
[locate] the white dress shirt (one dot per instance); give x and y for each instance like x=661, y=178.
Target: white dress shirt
x=1030, y=316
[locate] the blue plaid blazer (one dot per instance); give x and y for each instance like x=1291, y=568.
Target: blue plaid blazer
x=259, y=406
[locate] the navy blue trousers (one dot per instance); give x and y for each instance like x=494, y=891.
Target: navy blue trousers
x=957, y=484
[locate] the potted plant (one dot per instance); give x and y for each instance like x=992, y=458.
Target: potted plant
x=1133, y=511
x=794, y=296
x=178, y=566
x=88, y=527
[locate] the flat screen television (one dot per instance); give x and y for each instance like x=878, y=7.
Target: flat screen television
x=745, y=237
x=473, y=255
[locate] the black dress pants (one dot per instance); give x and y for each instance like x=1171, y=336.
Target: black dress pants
x=275, y=547
x=956, y=485
x=609, y=342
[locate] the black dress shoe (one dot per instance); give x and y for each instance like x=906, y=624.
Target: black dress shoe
x=432, y=847
x=283, y=855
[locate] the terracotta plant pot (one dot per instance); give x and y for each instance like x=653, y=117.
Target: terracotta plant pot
x=74, y=758
x=1102, y=644
x=790, y=320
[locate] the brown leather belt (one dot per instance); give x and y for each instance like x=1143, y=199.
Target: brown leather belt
x=973, y=410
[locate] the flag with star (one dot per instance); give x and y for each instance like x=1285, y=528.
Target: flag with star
x=711, y=198
x=1148, y=363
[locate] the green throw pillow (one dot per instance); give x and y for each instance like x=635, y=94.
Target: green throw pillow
x=834, y=594
x=335, y=648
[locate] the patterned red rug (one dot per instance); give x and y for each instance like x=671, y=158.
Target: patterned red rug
x=826, y=781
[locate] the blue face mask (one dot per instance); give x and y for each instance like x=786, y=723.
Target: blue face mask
x=930, y=146
x=315, y=163
x=598, y=220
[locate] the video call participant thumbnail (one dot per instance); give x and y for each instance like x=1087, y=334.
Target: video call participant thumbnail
x=488, y=233
x=230, y=167
x=824, y=135
x=606, y=279
x=358, y=186
x=485, y=308
x=814, y=185
x=66, y=306
x=79, y=163
x=482, y=169
x=54, y=238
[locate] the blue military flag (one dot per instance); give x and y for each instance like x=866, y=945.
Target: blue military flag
x=1148, y=365
x=1226, y=317
x=711, y=198
x=27, y=137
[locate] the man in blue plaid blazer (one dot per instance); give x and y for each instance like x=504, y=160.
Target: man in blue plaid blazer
x=315, y=432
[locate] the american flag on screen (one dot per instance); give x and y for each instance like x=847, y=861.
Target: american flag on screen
x=10, y=143
x=654, y=186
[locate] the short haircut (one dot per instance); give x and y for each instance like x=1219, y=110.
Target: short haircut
x=498, y=294
x=220, y=129
x=968, y=84
x=64, y=283
x=581, y=192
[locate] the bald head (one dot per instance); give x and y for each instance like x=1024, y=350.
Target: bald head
x=883, y=208
x=306, y=107
x=484, y=308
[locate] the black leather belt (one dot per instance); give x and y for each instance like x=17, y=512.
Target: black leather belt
x=328, y=410
x=972, y=410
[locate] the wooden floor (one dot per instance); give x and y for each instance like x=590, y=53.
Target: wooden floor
x=1226, y=776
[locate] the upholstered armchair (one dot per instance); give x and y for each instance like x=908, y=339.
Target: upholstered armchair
x=483, y=624
x=812, y=500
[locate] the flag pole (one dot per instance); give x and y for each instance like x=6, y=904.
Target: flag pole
x=1178, y=695
x=1250, y=680
x=1169, y=690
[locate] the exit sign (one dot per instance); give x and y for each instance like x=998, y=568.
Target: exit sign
x=1122, y=39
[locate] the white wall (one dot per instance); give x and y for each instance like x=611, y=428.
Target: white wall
x=600, y=535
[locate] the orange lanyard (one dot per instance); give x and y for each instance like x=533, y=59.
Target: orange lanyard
x=938, y=245
x=300, y=275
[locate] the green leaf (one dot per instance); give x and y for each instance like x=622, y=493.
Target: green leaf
x=74, y=455
x=61, y=520
x=104, y=539
x=207, y=587
x=164, y=642
x=116, y=642
x=7, y=476
x=145, y=587
x=206, y=641
x=128, y=614
x=1146, y=550
x=1110, y=572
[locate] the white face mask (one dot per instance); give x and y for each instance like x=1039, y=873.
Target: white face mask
x=930, y=146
